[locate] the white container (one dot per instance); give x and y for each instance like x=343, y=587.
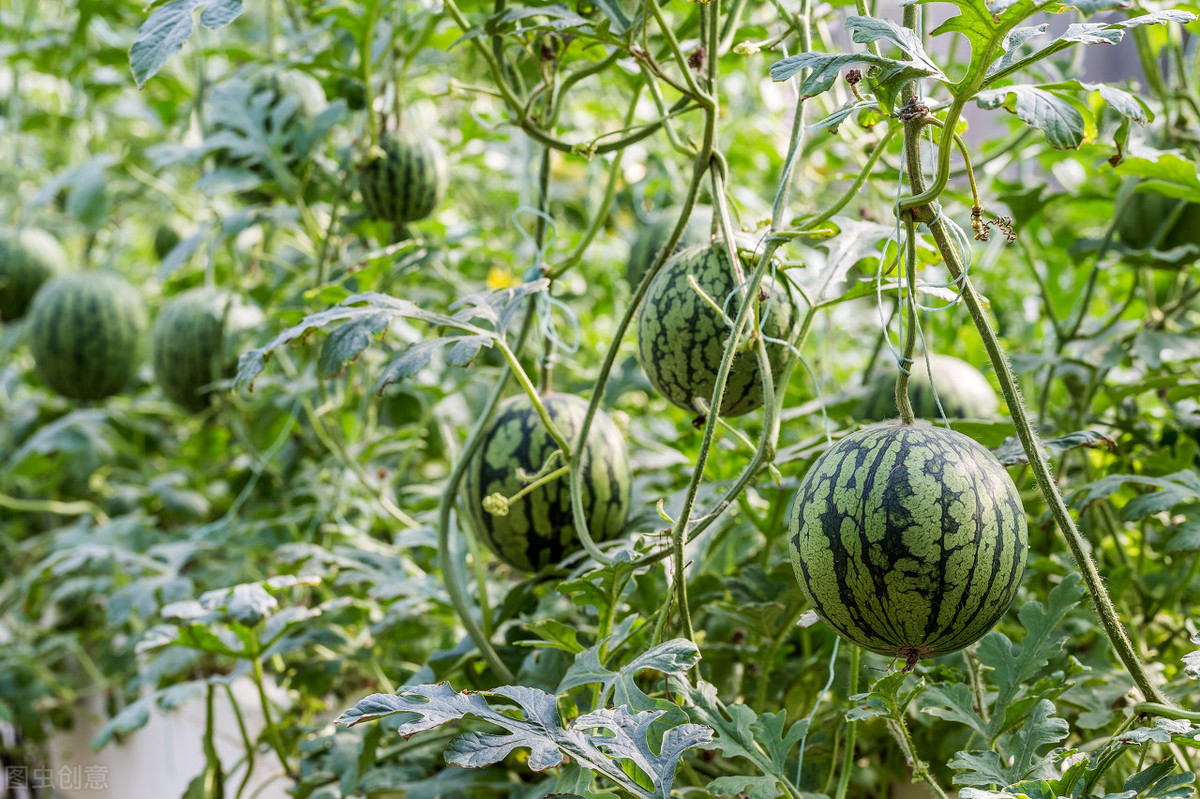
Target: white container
x=159, y=760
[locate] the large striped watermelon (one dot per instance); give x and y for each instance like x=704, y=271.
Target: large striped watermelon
x=908, y=540
x=681, y=337
x=539, y=529
x=964, y=391
x=652, y=237
x=28, y=258
x=404, y=179
x=87, y=333
x=187, y=347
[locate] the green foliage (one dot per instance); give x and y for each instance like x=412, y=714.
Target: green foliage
x=310, y=537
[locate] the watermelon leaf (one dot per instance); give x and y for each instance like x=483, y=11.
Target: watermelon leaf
x=169, y=27
x=345, y=344
x=1011, y=453
x=740, y=732
x=827, y=68
x=1042, y=641
x=370, y=315
x=953, y=702
x=1175, y=489
x=1060, y=118
x=539, y=729
x=750, y=787
x=670, y=657
x=988, y=768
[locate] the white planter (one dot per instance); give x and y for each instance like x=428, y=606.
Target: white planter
x=160, y=759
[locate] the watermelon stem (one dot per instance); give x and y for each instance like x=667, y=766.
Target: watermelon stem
x=903, y=403
x=919, y=208
x=848, y=757
x=519, y=372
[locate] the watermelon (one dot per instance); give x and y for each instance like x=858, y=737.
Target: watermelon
x=964, y=391
x=681, y=337
x=653, y=236
x=87, y=332
x=28, y=258
x=1139, y=223
x=166, y=237
x=539, y=528
x=404, y=179
x=188, y=349
x=908, y=540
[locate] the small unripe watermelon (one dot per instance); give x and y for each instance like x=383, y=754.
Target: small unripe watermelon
x=651, y=238
x=681, y=337
x=908, y=540
x=404, y=179
x=166, y=237
x=539, y=528
x=1140, y=221
x=188, y=349
x=87, y=334
x=28, y=258
x=964, y=391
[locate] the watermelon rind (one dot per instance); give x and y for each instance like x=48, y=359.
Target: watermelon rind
x=682, y=338
x=87, y=333
x=539, y=528
x=908, y=540
x=28, y=258
x=404, y=179
x=964, y=391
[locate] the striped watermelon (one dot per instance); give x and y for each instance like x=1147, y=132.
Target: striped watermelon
x=908, y=540
x=166, y=236
x=964, y=391
x=405, y=178
x=651, y=238
x=87, y=332
x=187, y=347
x=538, y=529
x=681, y=337
x=28, y=258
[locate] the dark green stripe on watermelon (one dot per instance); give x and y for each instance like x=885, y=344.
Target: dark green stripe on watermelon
x=28, y=258
x=539, y=529
x=86, y=332
x=964, y=391
x=908, y=540
x=186, y=347
x=406, y=179
x=681, y=337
